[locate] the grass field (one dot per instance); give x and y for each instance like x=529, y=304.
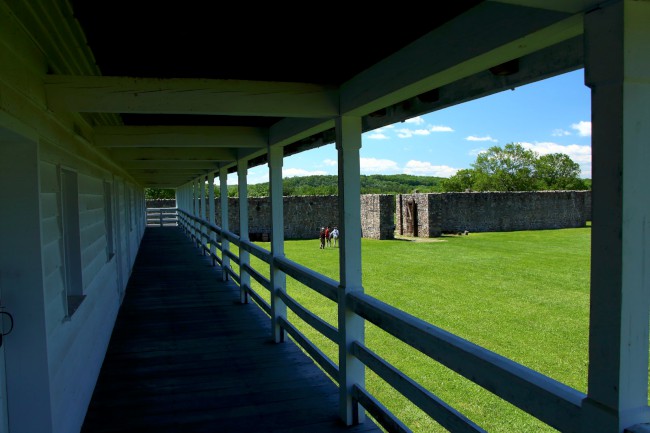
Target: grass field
x=523, y=295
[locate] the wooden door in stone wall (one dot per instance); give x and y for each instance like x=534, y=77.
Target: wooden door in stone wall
x=411, y=218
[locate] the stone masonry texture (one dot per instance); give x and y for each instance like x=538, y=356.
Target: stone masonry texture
x=422, y=215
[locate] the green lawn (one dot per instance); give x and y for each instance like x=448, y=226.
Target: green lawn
x=523, y=295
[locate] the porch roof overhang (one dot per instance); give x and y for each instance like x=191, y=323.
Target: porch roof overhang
x=173, y=93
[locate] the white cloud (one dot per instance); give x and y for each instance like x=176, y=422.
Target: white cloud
x=259, y=174
x=417, y=120
x=583, y=127
x=424, y=168
x=330, y=162
x=377, y=136
x=408, y=133
x=486, y=138
x=578, y=153
x=440, y=128
x=252, y=180
x=377, y=165
x=404, y=133
x=560, y=132
x=292, y=172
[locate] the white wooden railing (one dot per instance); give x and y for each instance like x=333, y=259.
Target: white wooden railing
x=162, y=216
x=553, y=402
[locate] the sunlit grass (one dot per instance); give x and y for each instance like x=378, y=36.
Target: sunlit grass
x=523, y=295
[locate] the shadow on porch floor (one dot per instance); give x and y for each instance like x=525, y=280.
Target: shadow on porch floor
x=186, y=356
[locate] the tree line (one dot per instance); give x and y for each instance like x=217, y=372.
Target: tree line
x=511, y=168
x=328, y=185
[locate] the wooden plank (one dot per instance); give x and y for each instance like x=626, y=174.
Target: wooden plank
x=186, y=356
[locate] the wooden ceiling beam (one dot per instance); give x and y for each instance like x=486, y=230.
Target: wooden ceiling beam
x=181, y=136
x=205, y=154
x=103, y=94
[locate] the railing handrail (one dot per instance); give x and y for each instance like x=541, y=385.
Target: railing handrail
x=161, y=216
x=553, y=402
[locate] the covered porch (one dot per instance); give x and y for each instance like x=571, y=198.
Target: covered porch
x=187, y=356
x=92, y=112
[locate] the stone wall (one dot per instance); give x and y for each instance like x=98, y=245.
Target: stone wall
x=422, y=215
x=495, y=211
x=161, y=202
x=378, y=216
x=305, y=215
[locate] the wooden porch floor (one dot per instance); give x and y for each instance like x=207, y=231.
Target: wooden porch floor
x=186, y=356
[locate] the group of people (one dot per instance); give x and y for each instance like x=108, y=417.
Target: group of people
x=328, y=235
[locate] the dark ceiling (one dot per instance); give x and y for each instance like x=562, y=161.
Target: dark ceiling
x=328, y=44
x=189, y=88
x=325, y=46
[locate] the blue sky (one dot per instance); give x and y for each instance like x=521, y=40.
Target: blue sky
x=550, y=116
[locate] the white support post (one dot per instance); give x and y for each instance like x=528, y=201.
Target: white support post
x=213, y=235
x=178, y=195
x=244, y=256
x=617, y=69
x=278, y=278
x=180, y=202
x=186, y=199
x=194, y=211
x=190, y=202
x=225, y=244
x=350, y=325
x=199, y=210
x=204, y=214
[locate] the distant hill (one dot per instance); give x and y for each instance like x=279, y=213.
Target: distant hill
x=328, y=185
x=370, y=184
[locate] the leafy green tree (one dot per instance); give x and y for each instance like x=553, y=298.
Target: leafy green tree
x=515, y=168
x=463, y=180
x=510, y=168
x=557, y=171
x=158, y=193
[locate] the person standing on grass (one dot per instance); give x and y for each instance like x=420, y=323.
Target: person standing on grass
x=334, y=236
x=327, y=235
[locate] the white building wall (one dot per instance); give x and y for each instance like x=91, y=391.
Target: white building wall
x=76, y=345
x=52, y=359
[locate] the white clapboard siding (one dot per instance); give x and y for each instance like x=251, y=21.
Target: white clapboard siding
x=76, y=344
x=52, y=261
x=49, y=180
x=93, y=266
x=82, y=346
x=93, y=244
x=92, y=227
x=123, y=242
x=51, y=229
x=54, y=301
